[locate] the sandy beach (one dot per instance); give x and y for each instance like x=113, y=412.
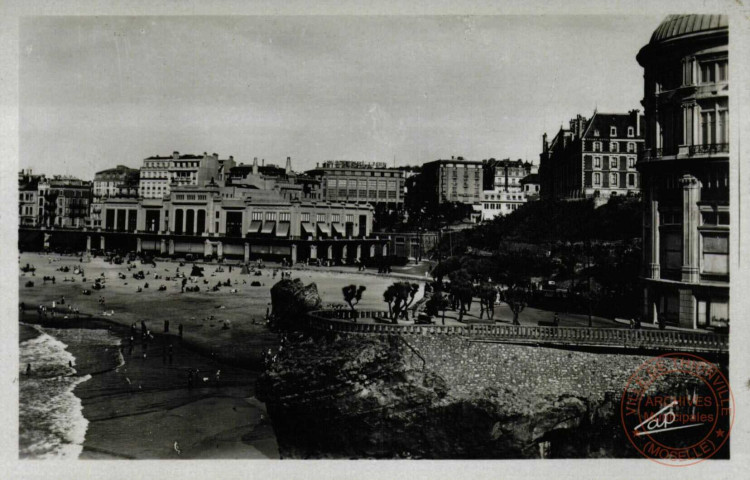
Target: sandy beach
x=137, y=406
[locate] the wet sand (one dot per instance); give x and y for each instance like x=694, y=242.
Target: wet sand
x=140, y=409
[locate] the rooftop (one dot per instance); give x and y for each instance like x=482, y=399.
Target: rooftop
x=682, y=25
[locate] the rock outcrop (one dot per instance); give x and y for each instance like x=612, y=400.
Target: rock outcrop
x=291, y=300
x=422, y=396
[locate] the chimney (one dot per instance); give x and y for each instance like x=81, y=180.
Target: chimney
x=288, y=165
x=636, y=119
x=255, y=165
x=263, y=162
x=545, y=145
x=176, y=155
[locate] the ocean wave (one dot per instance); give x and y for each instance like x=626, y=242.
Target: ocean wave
x=51, y=422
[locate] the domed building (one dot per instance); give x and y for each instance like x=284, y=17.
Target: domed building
x=685, y=172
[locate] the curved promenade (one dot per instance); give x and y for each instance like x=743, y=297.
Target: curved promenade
x=347, y=322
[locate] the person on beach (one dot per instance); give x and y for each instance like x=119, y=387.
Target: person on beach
x=171, y=354
x=191, y=377
x=28, y=369
x=217, y=376
x=180, y=330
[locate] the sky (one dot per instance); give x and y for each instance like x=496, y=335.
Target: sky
x=96, y=92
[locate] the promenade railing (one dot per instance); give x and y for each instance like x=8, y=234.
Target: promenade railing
x=346, y=321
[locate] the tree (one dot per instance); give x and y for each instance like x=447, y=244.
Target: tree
x=438, y=302
x=487, y=294
x=462, y=291
x=399, y=296
x=517, y=299
x=353, y=294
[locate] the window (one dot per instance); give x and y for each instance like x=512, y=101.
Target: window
x=257, y=216
x=597, y=146
x=613, y=146
x=270, y=216
x=335, y=218
x=631, y=133
x=715, y=253
x=631, y=162
x=613, y=180
x=285, y=217
x=596, y=132
x=631, y=147
x=708, y=72
x=612, y=131
x=201, y=197
x=597, y=178
x=305, y=217
x=715, y=218
x=671, y=250
x=708, y=134
x=613, y=163
x=597, y=162
x=321, y=218
x=350, y=218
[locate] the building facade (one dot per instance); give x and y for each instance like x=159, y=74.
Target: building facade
x=361, y=182
x=65, y=202
x=593, y=158
x=158, y=174
x=112, y=182
x=454, y=180
x=685, y=170
x=531, y=187
x=226, y=221
x=503, y=189
x=30, y=204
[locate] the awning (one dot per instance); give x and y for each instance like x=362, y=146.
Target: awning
x=254, y=226
x=283, y=229
x=324, y=229
x=268, y=227
x=339, y=229
x=308, y=228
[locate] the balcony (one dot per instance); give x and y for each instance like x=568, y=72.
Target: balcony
x=708, y=149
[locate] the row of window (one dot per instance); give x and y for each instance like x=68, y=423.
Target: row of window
x=614, y=147
x=714, y=252
x=391, y=194
x=373, y=184
x=503, y=197
x=613, y=179
x=359, y=173
x=304, y=217
x=613, y=132
x=500, y=206
x=613, y=164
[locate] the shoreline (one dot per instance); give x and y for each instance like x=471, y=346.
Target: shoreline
x=139, y=407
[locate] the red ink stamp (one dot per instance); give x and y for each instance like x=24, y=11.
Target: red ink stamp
x=677, y=409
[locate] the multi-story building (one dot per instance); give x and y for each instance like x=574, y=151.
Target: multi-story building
x=685, y=170
x=231, y=220
x=159, y=174
x=65, y=202
x=454, y=180
x=112, y=182
x=503, y=191
x=531, y=187
x=593, y=158
x=30, y=205
x=361, y=182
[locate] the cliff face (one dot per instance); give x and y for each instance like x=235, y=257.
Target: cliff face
x=370, y=397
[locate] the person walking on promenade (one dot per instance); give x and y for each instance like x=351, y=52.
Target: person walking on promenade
x=191, y=377
x=556, y=320
x=217, y=376
x=179, y=328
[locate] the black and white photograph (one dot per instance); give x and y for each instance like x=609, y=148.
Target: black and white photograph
x=377, y=237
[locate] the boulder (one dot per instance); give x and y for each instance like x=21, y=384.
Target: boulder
x=291, y=300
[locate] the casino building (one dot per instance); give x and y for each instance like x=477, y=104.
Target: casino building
x=685, y=172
